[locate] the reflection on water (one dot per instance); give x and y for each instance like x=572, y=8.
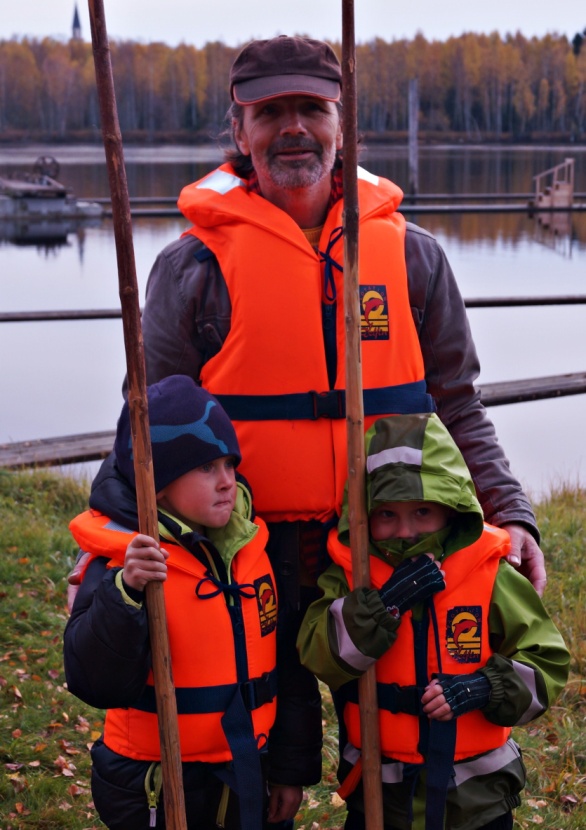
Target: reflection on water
x=65, y=378
x=45, y=234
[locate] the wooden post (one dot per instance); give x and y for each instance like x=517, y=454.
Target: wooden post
x=413, y=137
x=357, y=513
x=139, y=420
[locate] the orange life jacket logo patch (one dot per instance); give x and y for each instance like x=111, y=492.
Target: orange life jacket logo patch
x=374, y=312
x=267, y=604
x=464, y=633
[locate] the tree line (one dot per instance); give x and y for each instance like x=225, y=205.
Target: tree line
x=474, y=87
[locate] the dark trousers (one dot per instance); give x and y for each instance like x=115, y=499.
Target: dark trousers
x=118, y=789
x=356, y=821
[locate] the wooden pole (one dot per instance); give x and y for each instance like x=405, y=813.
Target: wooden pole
x=358, y=519
x=413, y=136
x=139, y=420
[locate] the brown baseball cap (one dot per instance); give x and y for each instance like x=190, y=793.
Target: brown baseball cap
x=285, y=66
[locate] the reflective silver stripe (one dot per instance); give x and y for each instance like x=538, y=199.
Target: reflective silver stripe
x=346, y=648
x=366, y=176
x=391, y=773
x=527, y=675
x=221, y=182
x=112, y=525
x=396, y=455
x=492, y=761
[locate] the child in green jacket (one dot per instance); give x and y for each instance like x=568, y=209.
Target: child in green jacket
x=463, y=647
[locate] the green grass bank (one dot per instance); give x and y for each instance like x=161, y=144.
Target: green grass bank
x=45, y=732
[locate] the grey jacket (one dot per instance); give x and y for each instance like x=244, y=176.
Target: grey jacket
x=187, y=318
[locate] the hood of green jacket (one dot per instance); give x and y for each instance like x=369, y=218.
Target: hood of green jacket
x=414, y=458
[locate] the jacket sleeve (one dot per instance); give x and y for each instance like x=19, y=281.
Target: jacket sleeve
x=344, y=632
x=187, y=309
x=106, y=645
x=451, y=370
x=531, y=662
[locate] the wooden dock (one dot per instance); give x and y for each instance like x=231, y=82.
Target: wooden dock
x=72, y=449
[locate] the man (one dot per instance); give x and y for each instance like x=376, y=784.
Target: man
x=249, y=303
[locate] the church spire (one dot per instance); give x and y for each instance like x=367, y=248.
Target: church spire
x=76, y=28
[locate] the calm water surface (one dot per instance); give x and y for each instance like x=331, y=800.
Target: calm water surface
x=64, y=378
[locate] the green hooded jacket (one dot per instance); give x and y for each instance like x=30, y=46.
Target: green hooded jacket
x=413, y=458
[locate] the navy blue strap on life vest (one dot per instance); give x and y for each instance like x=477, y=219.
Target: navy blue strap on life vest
x=207, y=699
x=246, y=767
x=405, y=399
x=390, y=696
x=440, y=751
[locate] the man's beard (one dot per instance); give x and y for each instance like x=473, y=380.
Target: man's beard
x=292, y=175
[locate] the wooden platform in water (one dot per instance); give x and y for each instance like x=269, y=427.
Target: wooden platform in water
x=72, y=449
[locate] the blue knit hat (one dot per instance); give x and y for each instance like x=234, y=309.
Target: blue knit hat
x=188, y=428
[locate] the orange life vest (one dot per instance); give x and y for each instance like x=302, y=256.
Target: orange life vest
x=461, y=611
x=271, y=374
x=207, y=671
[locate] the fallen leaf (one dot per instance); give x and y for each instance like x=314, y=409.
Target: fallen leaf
x=18, y=782
x=75, y=789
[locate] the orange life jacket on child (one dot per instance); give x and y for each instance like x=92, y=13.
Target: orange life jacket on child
x=219, y=646
x=461, y=611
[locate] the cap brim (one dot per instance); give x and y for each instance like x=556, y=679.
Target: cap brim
x=273, y=86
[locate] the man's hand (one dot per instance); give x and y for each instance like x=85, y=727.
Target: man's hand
x=74, y=578
x=284, y=801
x=527, y=556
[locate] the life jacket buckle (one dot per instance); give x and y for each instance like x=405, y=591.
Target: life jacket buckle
x=330, y=404
x=257, y=692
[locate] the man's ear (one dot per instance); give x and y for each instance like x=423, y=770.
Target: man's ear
x=240, y=138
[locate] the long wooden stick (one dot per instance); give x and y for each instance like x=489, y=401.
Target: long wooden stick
x=139, y=419
x=358, y=519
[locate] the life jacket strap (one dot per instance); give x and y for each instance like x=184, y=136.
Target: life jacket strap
x=404, y=399
x=207, y=699
x=391, y=697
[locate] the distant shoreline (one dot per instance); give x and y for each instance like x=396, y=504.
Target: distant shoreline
x=25, y=153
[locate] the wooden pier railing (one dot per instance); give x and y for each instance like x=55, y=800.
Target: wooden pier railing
x=72, y=449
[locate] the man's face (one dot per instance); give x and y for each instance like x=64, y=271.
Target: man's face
x=292, y=140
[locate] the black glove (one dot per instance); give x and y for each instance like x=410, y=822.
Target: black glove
x=412, y=581
x=465, y=692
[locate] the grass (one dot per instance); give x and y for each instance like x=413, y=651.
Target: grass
x=45, y=732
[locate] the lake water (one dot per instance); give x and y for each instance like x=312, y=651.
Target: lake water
x=62, y=378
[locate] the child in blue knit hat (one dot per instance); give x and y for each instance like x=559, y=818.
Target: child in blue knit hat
x=221, y=616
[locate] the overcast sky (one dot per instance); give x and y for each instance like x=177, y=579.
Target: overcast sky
x=236, y=21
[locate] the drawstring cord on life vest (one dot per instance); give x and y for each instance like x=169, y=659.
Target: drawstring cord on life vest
x=234, y=589
x=329, y=292
x=328, y=306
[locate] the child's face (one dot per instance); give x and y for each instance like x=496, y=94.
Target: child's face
x=407, y=519
x=203, y=497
